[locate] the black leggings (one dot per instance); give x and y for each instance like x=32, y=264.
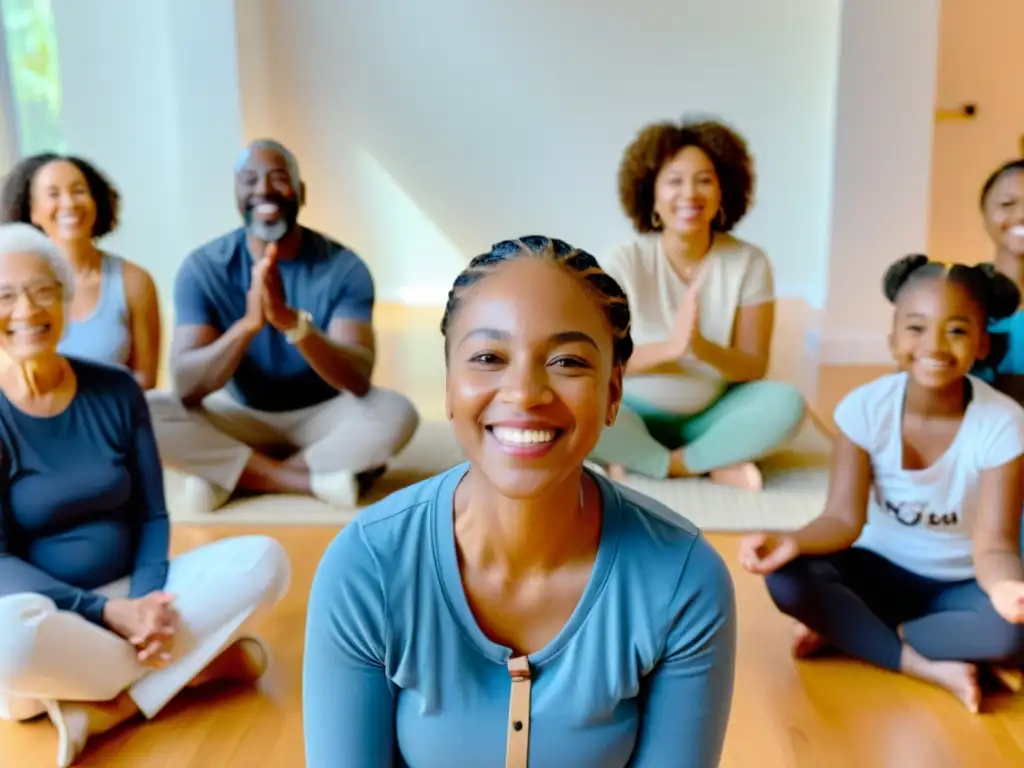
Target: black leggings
x=856, y=600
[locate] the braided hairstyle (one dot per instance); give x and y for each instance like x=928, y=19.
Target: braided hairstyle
x=605, y=291
x=995, y=295
x=16, y=192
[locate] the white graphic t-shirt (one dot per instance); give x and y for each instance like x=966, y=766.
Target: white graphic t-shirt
x=923, y=520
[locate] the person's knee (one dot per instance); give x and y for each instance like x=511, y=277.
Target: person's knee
x=21, y=617
x=782, y=399
x=271, y=568
x=1008, y=642
x=789, y=587
x=397, y=415
x=165, y=410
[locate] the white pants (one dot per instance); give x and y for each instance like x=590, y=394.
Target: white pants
x=216, y=440
x=47, y=654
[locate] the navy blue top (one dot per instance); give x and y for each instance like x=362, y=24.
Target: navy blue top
x=326, y=279
x=84, y=498
x=398, y=674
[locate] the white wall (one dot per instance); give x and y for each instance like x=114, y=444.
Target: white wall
x=150, y=93
x=422, y=143
x=881, y=169
x=980, y=61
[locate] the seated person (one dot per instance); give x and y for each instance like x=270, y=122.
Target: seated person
x=914, y=565
x=1002, y=206
x=703, y=308
x=272, y=356
x=115, y=316
x=608, y=619
x=96, y=626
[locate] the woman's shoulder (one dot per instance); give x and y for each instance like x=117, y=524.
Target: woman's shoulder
x=104, y=379
x=666, y=546
x=635, y=251
x=392, y=529
x=731, y=248
x=137, y=279
x=632, y=264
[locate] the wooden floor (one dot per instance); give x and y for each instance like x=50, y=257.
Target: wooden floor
x=820, y=714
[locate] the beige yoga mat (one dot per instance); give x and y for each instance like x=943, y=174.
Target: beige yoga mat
x=794, y=493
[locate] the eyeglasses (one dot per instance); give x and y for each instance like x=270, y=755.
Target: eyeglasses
x=40, y=294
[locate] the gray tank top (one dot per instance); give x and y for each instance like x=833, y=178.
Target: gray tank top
x=105, y=335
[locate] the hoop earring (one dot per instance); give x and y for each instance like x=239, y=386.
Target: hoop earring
x=655, y=220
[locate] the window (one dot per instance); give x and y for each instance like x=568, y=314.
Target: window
x=30, y=42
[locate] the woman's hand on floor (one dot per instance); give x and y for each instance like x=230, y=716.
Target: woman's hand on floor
x=762, y=553
x=1008, y=599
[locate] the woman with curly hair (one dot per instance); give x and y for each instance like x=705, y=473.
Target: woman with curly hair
x=115, y=316
x=703, y=306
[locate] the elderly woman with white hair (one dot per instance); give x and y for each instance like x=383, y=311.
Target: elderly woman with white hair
x=97, y=625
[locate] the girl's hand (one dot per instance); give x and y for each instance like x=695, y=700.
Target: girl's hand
x=1008, y=599
x=763, y=553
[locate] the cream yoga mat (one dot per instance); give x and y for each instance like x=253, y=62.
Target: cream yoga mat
x=795, y=484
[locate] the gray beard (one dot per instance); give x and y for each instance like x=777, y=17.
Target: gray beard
x=268, y=232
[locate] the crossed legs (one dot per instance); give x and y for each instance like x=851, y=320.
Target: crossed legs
x=746, y=423
x=332, y=450
x=871, y=609
x=89, y=680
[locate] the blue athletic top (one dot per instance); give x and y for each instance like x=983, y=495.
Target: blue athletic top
x=398, y=674
x=82, y=502
x=105, y=335
x=326, y=279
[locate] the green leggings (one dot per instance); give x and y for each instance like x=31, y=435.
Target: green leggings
x=744, y=424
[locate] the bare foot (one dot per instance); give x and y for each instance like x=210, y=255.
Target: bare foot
x=745, y=476
x=957, y=677
x=245, y=661
x=617, y=472
x=807, y=642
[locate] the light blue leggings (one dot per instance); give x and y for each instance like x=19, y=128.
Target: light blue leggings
x=744, y=424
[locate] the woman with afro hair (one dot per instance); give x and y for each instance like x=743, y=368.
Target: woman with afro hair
x=114, y=309
x=703, y=306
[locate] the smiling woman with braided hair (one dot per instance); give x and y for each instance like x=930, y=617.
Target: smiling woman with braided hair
x=518, y=608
